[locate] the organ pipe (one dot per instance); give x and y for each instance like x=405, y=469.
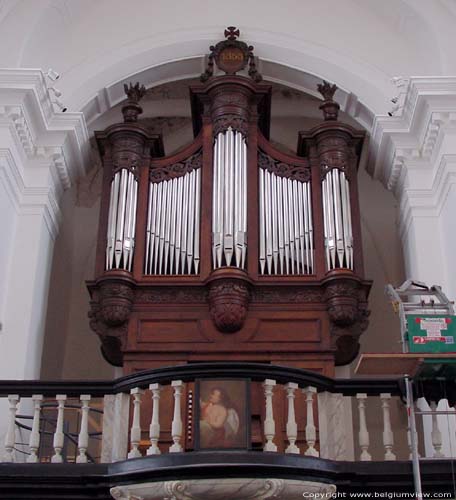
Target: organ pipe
x=229, y=219
x=285, y=225
x=121, y=221
x=337, y=224
x=173, y=225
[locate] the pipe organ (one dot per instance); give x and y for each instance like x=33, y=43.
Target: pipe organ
x=173, y=225
x=230, y=248
x=121, y=220
x=285, y=221
x=229, y=212
x=337, y=220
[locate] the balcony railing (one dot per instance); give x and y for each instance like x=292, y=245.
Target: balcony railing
x=290, y=411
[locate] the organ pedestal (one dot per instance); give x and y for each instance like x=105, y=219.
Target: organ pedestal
x=230, y=248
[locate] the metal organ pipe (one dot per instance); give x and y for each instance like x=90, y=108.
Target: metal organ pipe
x=173, y=225
x=337, y=220
x=121, y=221
x=229, y=217
x=285, y=225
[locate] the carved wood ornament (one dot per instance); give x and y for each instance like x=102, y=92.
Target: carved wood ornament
x=145, y=318
x=283, y=169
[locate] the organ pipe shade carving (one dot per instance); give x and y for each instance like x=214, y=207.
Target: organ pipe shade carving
x=122, y=221
x=337, y=223
x=285, y=225
x=229, y=222
x=173, y=225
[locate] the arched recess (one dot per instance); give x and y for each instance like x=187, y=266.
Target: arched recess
x=112, y=94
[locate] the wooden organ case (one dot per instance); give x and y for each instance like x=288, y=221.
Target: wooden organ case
x=230, y=249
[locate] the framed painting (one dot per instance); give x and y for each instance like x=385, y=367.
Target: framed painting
x=222, y=414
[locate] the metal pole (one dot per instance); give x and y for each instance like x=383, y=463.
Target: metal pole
x=413, y=441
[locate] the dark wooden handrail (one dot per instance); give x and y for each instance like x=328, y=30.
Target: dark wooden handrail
x=190, y=372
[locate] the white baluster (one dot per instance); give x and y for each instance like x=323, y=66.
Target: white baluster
x=176, y=426
x=83, y=439
x=409, y=441
x=34, y=442
x=269, y=424
x=58, y=435
x=311, y=431
x=10, y=438
x=135, y=433
x=388, y=438
x=436, y=435
x=363, y=433
x=292, y=427
x=154, y=429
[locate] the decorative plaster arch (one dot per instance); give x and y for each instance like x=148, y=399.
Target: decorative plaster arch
x=112, y=93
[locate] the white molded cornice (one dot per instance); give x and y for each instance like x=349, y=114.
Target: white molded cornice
x=42, y=133
x=42, y=152
x=429, y=108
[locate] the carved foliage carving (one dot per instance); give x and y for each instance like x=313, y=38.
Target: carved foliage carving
x=127, y=153
x=230, y=107
x=172, y=295
x=286, y=295
x=231, y=97
x=116, y=301
x=282, y=169
x=135, y=93
x=159, y=174
x=228, y=304
x=329, y=107
x=109, y=313
x=347, y=309
x=336, y=152
x=236, y=122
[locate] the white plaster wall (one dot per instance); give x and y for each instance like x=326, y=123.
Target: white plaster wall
x=360, y=44
x=71, y=349
x=447, y=226
x=383, y=262
x=7, y=227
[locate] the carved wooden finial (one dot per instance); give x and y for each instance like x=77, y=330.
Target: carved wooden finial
x=132, y=109
x=231, y=56
x=329, y=107
x=231, y=33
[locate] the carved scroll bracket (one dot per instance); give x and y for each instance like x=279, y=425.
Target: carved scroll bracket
x=110, y=309
x=346, y=301
x=229, y=297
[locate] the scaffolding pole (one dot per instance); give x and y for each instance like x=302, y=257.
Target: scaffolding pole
x=413, y=437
